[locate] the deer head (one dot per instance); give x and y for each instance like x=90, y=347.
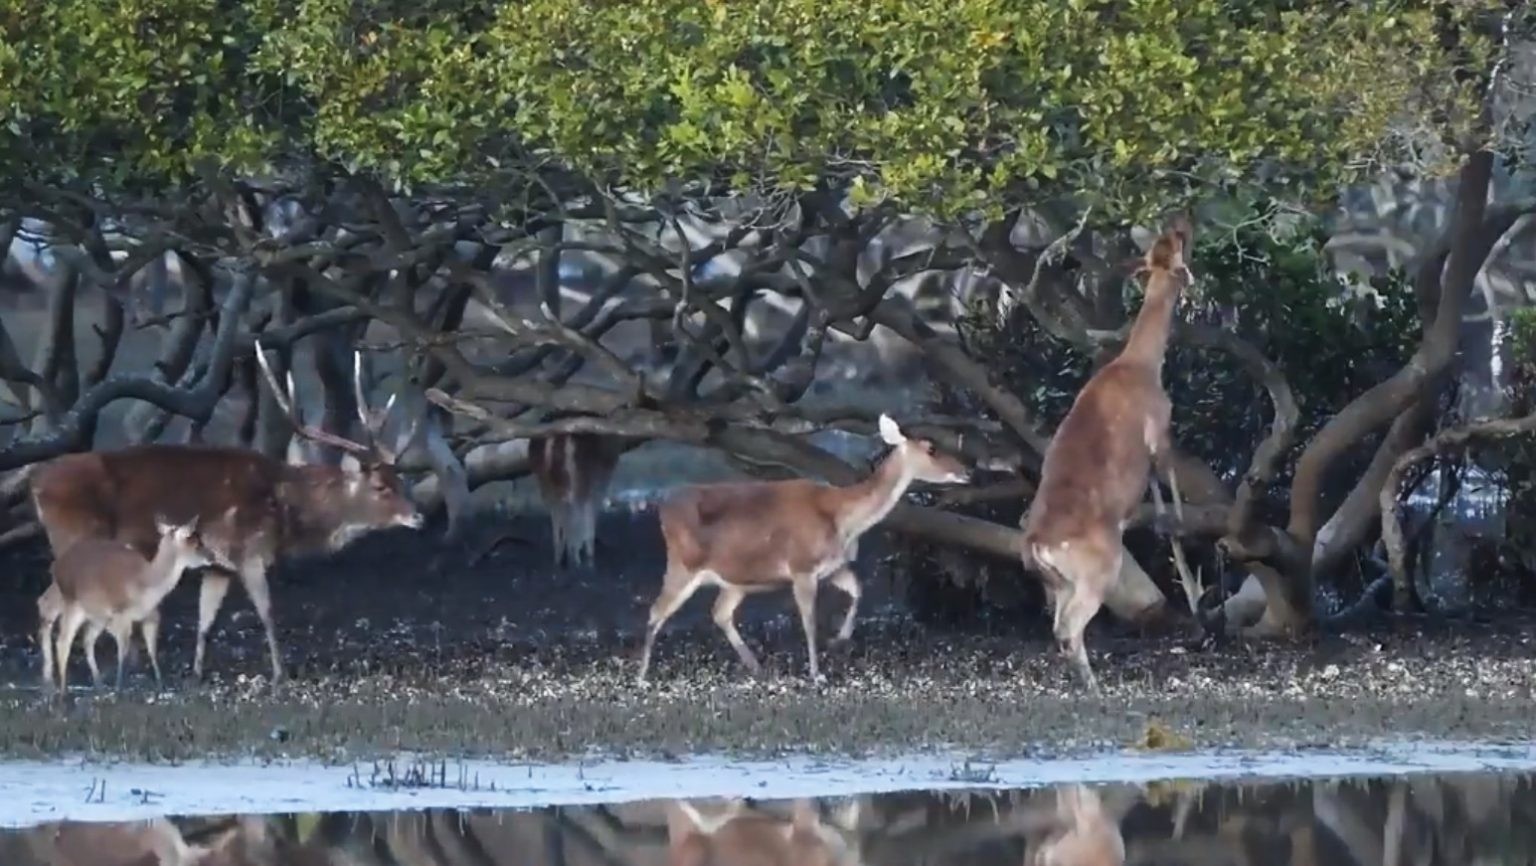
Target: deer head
x=926, y=461
x=186, y=541
x=1166, y=256
x=372, y=494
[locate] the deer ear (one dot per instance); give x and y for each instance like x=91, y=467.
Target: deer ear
x=890, y=432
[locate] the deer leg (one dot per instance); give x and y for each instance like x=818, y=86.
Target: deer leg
x=69, y=626
x=254, y=578
x=725, y=618
x=149, y=627
x=210, y=598
x=805, y=600
x=676, y=588
x=122, y=635
x=557, y=527
x=1161, y=447
x=589, y=533
x=848, y=582
x=1193, y=586
x=93, y=632
x=47, y=617
x=1074, y=610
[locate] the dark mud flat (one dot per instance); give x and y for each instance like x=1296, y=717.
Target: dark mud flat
x=398, y=643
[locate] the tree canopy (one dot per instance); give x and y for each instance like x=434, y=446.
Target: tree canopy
x=946, y=107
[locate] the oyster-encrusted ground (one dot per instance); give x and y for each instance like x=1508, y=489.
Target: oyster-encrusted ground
x=508, y=657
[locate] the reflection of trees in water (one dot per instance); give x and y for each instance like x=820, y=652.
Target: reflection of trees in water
x=1454, y=820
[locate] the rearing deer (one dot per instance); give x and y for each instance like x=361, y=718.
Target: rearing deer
x=1096, y=467
x=759, y=536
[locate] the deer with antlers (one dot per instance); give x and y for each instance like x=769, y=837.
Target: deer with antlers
x=252, y=509
x=1097, y=465
x=752, y=537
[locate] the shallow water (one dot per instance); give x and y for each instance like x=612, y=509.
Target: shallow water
x=1421, y=819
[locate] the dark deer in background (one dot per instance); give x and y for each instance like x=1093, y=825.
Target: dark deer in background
x=252, y=510
x=573, y=471
x=1096, y=467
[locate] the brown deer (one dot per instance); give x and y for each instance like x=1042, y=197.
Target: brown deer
x=760, y=536
x=741, y=834
x=254, y=509
x=1096, y=466
x=107, y=585
x=1085, y=833
x=573, y=471
x=157, y=842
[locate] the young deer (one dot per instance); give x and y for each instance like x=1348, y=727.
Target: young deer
x=108, y=586
x=1096, y=466
x=753, y=537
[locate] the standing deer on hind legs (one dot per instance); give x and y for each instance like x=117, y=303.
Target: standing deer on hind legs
x=1096, y=467
x=759, y=536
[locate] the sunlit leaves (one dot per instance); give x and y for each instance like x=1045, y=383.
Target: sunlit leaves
x=951, y=107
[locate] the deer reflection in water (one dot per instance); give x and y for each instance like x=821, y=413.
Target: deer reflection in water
x=1462, y=820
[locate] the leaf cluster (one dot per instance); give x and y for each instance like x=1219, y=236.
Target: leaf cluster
x=947, y=107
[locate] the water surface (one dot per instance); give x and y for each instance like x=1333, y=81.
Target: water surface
x=1455, y=819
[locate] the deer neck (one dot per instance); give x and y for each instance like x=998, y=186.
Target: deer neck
x=869, y=501
x=1148, y=342
x=170, y=560
x=304, y=509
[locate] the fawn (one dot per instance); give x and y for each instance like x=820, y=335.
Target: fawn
x=108, y=586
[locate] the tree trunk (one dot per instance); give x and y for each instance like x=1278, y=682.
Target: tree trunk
x=1472, y=238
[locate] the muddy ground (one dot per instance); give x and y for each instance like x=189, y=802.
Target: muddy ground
x=510, y=657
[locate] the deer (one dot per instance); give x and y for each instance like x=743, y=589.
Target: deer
x=752, y=537
x=1085, y=833
x=255, y=510
x=127, y=843
x=106, y=585
x=740, y=834
x=1096, y=466
x=573, y=471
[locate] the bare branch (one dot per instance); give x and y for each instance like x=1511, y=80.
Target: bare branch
x=951, y=361
x=1446, y=440
x=1010, y=264
x=196, y=403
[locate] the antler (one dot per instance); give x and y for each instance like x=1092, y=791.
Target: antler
x=285, y=400
x=373, y=421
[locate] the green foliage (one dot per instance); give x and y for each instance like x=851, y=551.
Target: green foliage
x=943, y=106
x=1332, y=337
